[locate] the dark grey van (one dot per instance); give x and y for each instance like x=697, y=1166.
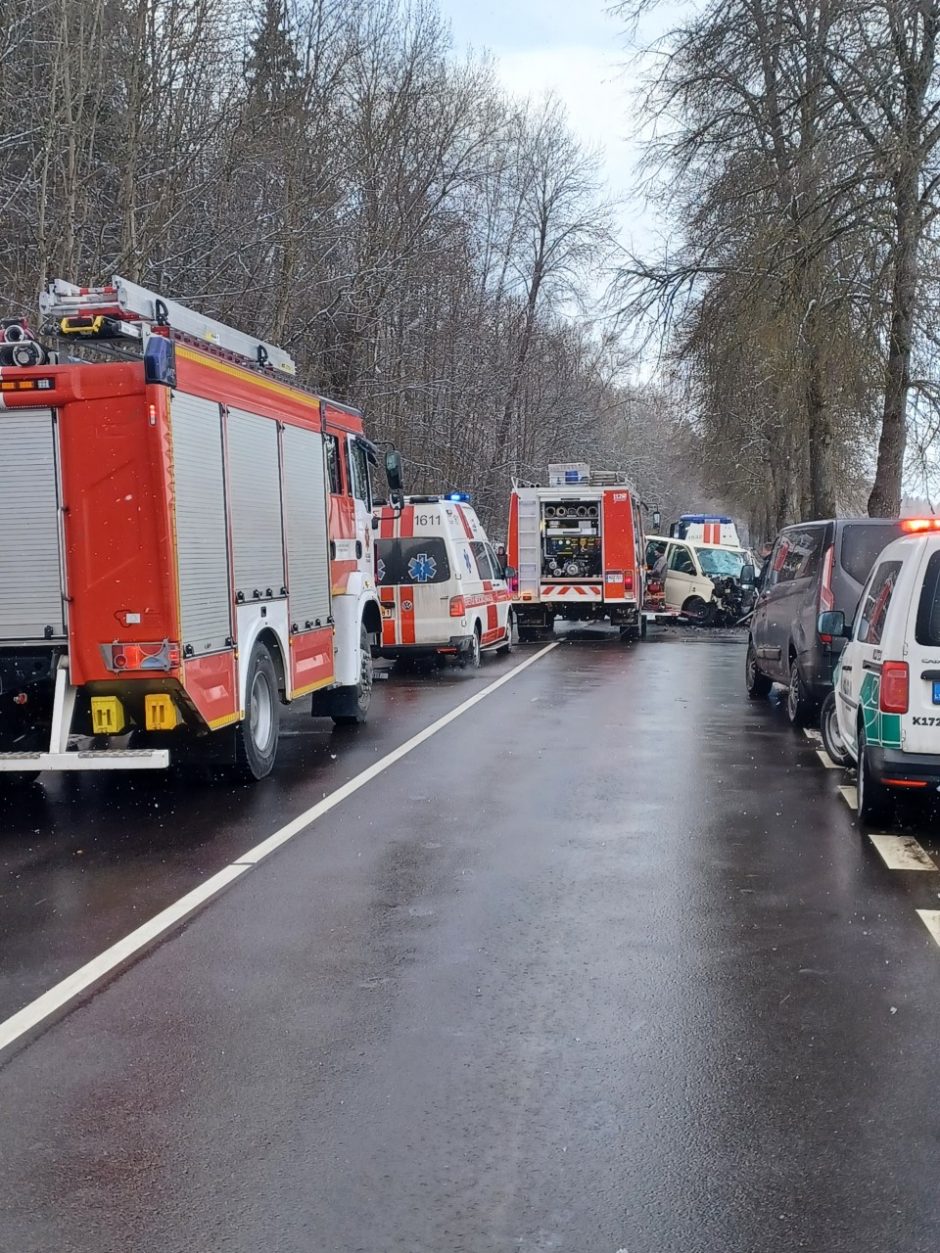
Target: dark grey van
x=814, y=566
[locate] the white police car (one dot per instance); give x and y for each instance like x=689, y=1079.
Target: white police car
x=884, y=711
x=442, y=588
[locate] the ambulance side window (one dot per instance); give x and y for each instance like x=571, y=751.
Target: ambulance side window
x=331, y=452
x=495, y=562
x=485, y=566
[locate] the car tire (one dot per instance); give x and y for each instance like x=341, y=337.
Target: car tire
x=352, y=703
x=257, y=735
x=757, y=683
x=799, y=703
x=872, y=797
x=505, y=649
x=831, y=736
x=696, y=610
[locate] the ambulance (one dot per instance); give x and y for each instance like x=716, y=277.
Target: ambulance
x=706, y=528
x=442, y=588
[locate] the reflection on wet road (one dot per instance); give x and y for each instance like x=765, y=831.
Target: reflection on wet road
x=602, y=964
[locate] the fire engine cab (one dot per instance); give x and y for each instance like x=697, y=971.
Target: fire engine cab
x=185, y=540
x=579, y=551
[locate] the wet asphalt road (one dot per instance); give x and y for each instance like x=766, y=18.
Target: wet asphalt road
x=603, y=965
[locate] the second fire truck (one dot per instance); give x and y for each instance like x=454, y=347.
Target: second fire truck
x=577, y=548
x=185, y=540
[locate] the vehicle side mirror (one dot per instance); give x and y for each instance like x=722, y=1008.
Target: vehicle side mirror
x=393, y=472
x=747, y=577
x=657, y=518
x=832, y=624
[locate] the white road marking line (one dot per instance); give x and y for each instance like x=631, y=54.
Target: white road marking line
x=812, y=734
x=827, y=760
x=70, y=987
x=266, y=847
x=902, y=852
x=849, y=794
x=92, y=972
x=931, y=920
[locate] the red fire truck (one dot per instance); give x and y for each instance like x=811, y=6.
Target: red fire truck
x=578, y=549
x=185, y=540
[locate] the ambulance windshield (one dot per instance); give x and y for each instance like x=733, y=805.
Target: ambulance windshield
x=410, y=561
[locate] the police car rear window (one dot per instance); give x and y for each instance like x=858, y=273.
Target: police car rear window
x=927, y=628
x=861, y=544
x=410, y=561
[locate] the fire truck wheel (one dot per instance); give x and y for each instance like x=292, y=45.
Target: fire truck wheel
x=257, y=734
x=505, y=649
x=352, y=703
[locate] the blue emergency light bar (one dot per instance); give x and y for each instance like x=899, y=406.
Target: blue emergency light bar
x=703, y=517
x=461, y=498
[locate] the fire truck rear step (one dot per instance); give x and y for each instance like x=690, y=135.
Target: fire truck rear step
x=105, y=759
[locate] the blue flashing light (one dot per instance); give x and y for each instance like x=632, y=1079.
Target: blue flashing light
x=160, y=361
x=460, y=498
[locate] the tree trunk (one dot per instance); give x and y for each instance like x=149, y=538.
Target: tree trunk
x=885, y=498
x=822, y=479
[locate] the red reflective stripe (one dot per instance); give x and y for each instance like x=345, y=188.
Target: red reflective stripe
x=386, y=526
x=407, y=524
x=406, y=602
x=467, y=530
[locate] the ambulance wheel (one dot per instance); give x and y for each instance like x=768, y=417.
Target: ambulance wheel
x=256, y=736
x=474, y=654
x=351, y=704
x=831, y=735
x=872, y=797
x=505, y=649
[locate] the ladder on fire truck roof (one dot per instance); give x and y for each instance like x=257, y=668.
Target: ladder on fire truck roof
x=135, y=311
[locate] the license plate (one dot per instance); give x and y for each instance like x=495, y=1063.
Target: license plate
x=936, y=691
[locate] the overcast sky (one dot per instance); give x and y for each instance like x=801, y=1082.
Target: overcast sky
x=573, y=48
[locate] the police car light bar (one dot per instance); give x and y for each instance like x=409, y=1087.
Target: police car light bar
x=914, y=525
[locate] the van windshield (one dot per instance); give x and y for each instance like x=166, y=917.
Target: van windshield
x=409, y=561
x=721, y=561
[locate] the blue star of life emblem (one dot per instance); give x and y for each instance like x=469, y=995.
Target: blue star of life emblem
x=422, y=569
x=380, y=570
x=466, y=561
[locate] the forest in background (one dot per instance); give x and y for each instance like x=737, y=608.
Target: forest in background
x=793, y=152
x=327, y=174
